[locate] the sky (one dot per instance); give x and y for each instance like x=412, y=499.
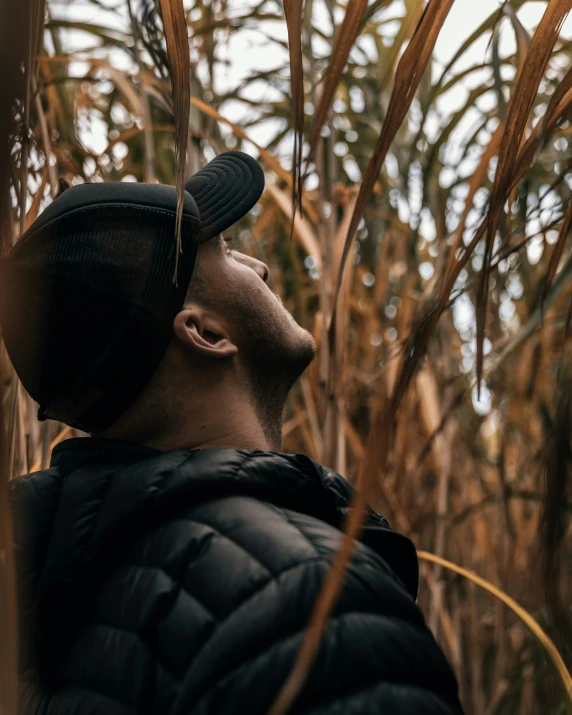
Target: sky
x=464, y=17
x=248, y=50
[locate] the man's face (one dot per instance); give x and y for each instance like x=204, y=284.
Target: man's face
x=272, y=347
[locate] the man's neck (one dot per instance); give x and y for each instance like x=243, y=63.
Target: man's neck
x=230, y=439
x=216, y=415
x=235, y=426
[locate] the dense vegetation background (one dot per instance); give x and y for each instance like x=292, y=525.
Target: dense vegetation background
x=479, y=478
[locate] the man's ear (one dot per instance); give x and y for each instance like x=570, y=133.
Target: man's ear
x=203, y=335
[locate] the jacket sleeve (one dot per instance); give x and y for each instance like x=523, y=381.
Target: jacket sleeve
x=376, y=657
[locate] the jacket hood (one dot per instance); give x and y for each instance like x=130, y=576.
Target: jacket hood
x=98, y=493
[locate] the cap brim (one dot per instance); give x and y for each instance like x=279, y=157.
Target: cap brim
x=225, y=190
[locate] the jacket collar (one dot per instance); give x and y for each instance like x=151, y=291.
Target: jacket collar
x=73, y=453
x=291, y=480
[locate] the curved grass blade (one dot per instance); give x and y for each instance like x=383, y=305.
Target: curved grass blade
x=554, y=520
x=475, y=183
x=175, y=27
x=346, y=36
x=558, y=105
x=293, y=13
x=521, y=35
x=496, y=65
x=556, y=256
x=523, y=43
x=267, y=157
x=21, y=29
x=408, y=76
x=409, y=72
x=524, y=95
x=546, y=643
x=66, y=432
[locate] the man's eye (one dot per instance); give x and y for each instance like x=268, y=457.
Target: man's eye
x=230, y=244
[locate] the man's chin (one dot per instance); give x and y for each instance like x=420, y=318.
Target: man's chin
x=307, y=347
x=312, y=345
x=294, y=349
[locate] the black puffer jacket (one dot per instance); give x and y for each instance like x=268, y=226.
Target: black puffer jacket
x=181, y=582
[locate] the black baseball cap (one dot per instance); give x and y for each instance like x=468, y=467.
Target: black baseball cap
x=88, y=297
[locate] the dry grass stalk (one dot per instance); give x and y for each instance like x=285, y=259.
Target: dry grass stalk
x=8, y=604
x=408, y=75
x=175, y=26
x=145, y=107
x=345, y=37
x=525, y=92
x=20, y=35
x=302, y=228
x=525, y=617
x=556, y=255
x=293, y=13
x=495, y=492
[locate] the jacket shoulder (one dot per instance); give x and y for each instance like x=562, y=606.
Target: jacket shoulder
x=212, y=590
x=271, y=595
x=251, y=540
x=205, y=563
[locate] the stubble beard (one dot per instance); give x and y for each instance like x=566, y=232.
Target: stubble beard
x=274, y=352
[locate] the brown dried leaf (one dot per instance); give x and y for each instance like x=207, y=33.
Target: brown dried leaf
x=175, y=27
x=408, y=75
x=413, y=13
x=522, y=36
x=545, y=642
x=524, y=95
x=475, y=183
x=345, y=38
x=293, y=12
x=559, y=101
x=302, y=228
x=268, y=158
x=34, y=209
x=558, y=105
x=20, y=33
x=556, y=255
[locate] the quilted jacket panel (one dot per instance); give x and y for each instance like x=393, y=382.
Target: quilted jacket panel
x=181, y=582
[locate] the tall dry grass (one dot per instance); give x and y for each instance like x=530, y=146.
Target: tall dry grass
x=389, y=401
x=19, y=42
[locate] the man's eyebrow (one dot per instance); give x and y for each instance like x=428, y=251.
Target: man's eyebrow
x=217, y=242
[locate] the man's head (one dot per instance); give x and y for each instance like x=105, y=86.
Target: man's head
x=236, y=352
x=105, y=341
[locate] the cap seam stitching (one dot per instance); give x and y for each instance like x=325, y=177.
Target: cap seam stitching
x=210, y=188
x=212, y=201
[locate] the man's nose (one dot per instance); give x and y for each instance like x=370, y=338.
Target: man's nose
x=256, y=265
x=265, y=271
x=260, y=268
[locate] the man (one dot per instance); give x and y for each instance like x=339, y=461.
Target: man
x=169, y=564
